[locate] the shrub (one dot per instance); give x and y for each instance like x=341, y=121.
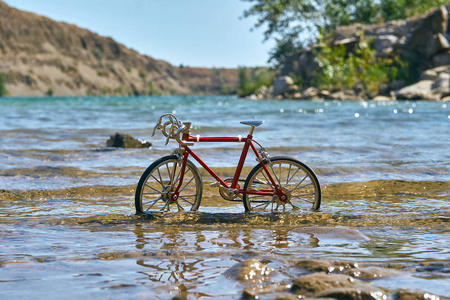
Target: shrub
x=251, y=80
x=50, y=92
x=3, y=90
x=362, y=66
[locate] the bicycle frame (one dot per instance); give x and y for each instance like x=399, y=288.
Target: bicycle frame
x=248, y=143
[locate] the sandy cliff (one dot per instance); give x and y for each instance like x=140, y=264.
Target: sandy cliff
x=40, y=56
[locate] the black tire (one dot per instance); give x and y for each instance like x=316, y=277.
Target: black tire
x=154, y=187
x=297, y=180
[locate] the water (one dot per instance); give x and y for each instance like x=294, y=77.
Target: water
x=68, y=223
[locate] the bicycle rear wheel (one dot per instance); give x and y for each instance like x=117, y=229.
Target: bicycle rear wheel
x=296, y=179
x=159, y=181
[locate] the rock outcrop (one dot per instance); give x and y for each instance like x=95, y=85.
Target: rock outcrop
x=421, y=42
x=40, y=56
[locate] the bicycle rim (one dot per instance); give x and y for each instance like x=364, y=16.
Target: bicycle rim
x=296, y=179
x=161, y=179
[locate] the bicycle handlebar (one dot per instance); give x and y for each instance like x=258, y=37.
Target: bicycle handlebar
x=177, y=128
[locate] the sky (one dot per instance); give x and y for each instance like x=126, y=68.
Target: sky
x=195, y=33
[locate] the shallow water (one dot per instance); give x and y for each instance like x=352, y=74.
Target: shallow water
x=68, y=228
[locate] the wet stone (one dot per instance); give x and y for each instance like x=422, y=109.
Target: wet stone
x=317, y=282
x=272, y=291
x=371, y=273
x=313, y=265
x=413, y=295
x=122, y=140
x=366, y=293
x=249, y=270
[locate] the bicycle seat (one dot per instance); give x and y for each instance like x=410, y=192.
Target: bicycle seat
x=254, y=123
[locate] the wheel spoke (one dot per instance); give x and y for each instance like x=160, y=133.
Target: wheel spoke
x=268, y=183
x=287, y=177
x=293, y=178
x=153, y=203
x=164, y=207
x=159, y=192
x=168, y=171
x=183, y=188
x=274, y=174
x=300, y=182
x=180, y=208
x=186, y=200
x=293, y=175
x=265, y=204
x=162, y=177
x=303, y=199
x=300, y=187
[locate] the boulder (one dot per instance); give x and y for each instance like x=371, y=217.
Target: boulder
x=434, y=88
x=263, y=92
x=385, y=44
x=122, y=140
x=441, y=59
x=417, y=91
x=433, y=74
x=428, y=35
x=310, y=93
x=382, y=98
x=282, y=85
x=439, y=20
x=347, y=95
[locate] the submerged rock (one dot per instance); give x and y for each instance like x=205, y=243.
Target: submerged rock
x=414, y=295
x=122, y=140
x=368, y=293
x=318, y=282
x=371, y=273
x=314, y=265
x=249, y=270
x=337, y=286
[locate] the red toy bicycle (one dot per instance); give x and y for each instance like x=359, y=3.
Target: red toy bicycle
x=173, y=182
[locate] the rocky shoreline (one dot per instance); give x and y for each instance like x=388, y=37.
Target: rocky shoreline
x=423, y=43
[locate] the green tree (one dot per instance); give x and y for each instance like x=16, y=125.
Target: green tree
x=3, y=90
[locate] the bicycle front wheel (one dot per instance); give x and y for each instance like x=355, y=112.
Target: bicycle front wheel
x=160, y=180
x=297, y=180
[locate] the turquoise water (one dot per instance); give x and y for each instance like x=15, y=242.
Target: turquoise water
x=67, y=223
x=342, y=141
